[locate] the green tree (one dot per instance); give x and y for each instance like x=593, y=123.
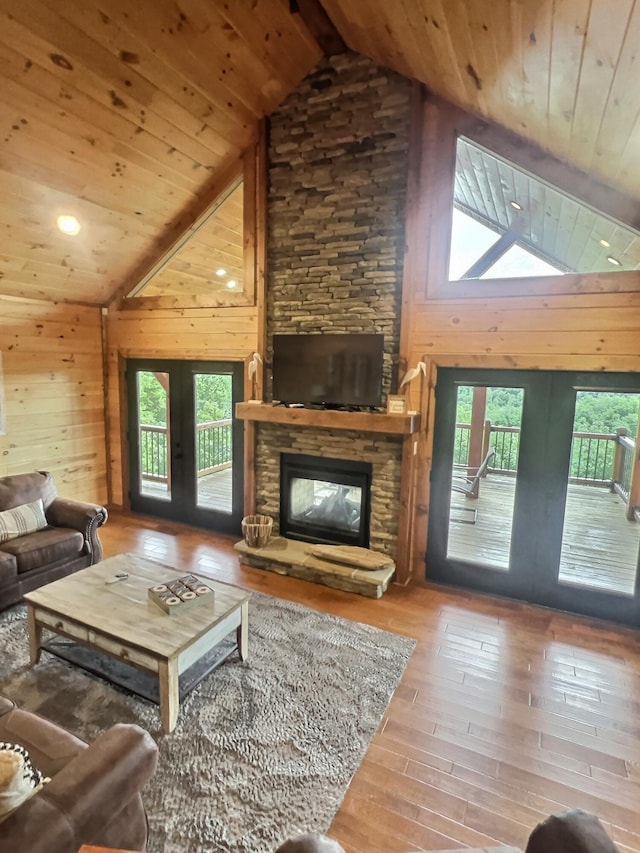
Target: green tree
x=152, y=400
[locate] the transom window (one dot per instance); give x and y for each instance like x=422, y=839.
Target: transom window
x=508, y=223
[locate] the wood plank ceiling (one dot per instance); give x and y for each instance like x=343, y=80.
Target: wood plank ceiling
x=125, y=113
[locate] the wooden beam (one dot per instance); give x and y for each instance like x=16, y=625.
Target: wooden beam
x=478, y=411
x=634, y=487
x=255, y=211
x=486, y=261
x=319, y=25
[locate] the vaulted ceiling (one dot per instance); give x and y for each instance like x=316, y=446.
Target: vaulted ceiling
x=126, y=114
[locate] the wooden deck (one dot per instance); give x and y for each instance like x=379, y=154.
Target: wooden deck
x=600, y=547
x=214, y=490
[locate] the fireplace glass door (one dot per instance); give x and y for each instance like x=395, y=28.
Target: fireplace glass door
x=325, y=500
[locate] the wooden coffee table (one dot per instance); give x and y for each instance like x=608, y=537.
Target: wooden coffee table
x=118, y=620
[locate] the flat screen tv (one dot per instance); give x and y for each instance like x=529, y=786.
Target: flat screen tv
x=328, y=370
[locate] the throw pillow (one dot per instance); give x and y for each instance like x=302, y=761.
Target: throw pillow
x=22, y=520
x=19, y=779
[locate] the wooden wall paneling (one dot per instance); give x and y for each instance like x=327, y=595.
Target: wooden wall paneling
x=476, y=315
x=529, y=343
x=422, y=482
x=416, y=214
x=436, y=185
x=414, y=273
x=249, y=222
x=54, y=393
x=104, y=340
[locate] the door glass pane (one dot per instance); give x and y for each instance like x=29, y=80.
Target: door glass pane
x=483, y=482
x=213, y=440
x=600, y=538
x=153, y=434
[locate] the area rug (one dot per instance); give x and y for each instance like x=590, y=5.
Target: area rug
x=263, y=749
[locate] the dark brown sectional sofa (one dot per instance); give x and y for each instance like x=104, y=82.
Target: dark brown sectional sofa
x=68, y=543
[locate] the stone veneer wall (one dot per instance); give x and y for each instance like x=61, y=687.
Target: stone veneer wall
x=338, y=157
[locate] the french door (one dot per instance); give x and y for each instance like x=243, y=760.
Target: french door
x=550, y=520
x=185, y=446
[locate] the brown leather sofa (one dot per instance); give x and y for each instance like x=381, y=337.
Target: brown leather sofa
x=94, y=793
x=69, y=542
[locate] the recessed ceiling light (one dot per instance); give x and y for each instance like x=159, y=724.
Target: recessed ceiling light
x=605, y=243
x=515, y=205
x=614, y=261
x=221, y=272
x=68, y=224
x=231, y=284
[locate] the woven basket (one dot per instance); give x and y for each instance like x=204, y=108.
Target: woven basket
x=256, y=530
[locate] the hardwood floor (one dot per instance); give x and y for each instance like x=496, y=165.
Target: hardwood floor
x=506, y=712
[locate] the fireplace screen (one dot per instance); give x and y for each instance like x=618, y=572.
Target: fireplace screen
x=325, y=500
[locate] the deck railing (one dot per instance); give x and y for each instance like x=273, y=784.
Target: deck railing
x=213, y=449
x=153, y=453
x=626, y=461
x=213, y=446
x=597, y=459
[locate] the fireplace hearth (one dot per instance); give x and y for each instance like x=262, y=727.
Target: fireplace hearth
x=325, y=500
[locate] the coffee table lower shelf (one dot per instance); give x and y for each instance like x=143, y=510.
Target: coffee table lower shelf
x=132, y=679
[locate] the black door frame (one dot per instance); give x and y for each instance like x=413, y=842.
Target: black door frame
x=183, y=503
x=540, y=498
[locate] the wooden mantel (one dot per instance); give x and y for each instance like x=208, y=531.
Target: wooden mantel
x=330, y=419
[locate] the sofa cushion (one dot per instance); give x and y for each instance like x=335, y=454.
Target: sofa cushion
x=19, y=779
x=44, y=548
x=8, y=568
x=18, y=489
x=22, y=520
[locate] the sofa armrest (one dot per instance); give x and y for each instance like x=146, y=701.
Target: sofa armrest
x=85, y=517
x=85, y=796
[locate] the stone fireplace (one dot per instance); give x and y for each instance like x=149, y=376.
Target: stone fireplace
x=337, y=169
x=325, y=500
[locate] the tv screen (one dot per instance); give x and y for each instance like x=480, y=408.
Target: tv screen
x=328, y=370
